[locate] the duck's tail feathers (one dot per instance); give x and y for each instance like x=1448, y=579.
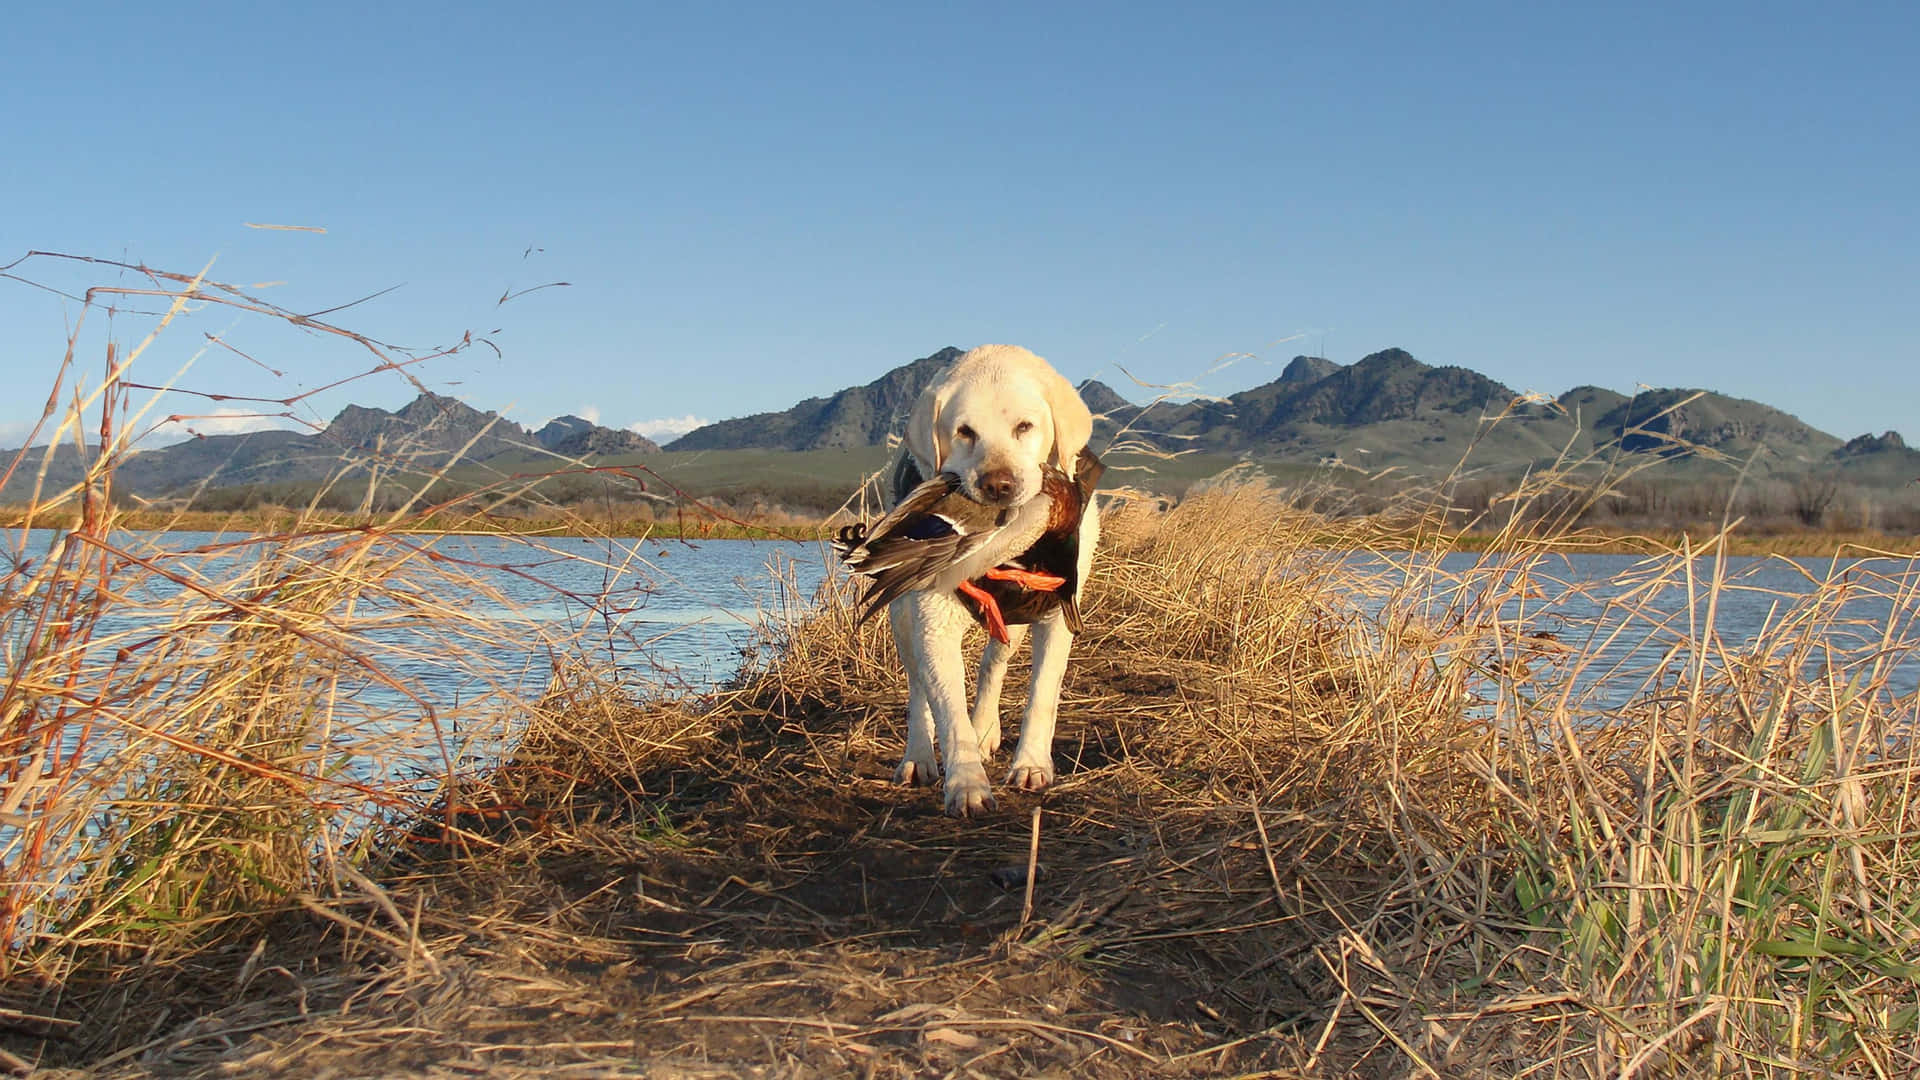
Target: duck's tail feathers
x=849, y=539
x=1086, y=473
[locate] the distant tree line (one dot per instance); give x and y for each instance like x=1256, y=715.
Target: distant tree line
x=1821, y=501
x=1813, y=501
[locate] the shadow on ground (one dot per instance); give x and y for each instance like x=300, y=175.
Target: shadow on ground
x=735, y=887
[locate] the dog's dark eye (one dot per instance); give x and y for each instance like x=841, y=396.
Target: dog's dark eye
x=1022, y=427
x=965, y=432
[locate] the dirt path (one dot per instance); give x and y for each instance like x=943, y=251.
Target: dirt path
x=650, y=890
x=761, y=900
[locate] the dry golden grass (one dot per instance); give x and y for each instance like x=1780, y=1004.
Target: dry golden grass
x=1290, y=838
x=1809, y=543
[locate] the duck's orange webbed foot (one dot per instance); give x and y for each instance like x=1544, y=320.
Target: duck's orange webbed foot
x=989, y=610
x=1038, y=582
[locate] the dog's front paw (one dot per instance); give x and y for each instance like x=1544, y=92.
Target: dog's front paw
x=968, y=793
x=917, y=772
x=1029, y=776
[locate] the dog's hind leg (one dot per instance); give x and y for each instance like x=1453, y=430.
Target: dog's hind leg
x=917, y=765
x=1033, y=756
x=986, y=691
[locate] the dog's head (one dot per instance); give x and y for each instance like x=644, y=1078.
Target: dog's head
x=994, y=419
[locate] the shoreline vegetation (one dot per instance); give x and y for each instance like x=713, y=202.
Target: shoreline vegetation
x=1288, y=839
x=267, y=810
x=1786, y=541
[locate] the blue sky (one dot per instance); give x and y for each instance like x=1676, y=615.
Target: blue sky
x=757, y=203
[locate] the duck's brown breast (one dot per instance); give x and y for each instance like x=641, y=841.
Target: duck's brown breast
x=1055, y=552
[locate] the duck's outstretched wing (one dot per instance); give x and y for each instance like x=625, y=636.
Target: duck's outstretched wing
x=911, y=545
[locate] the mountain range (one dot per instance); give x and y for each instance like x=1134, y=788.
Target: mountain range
x=1385, y=409
x=426, y=434
x=856, y=416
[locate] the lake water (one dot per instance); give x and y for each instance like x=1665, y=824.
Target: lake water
x=674, y=616
x=430, y=668
x=668, y=613
x=1629, y=622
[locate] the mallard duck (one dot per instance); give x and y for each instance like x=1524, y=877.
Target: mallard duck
x=934, y=527
x=1046, y=575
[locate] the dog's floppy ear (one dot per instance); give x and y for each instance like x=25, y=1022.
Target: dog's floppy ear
x=925, y=439
x=1072, y=420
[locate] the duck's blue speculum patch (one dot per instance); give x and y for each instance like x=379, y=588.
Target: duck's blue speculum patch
x=931, y=527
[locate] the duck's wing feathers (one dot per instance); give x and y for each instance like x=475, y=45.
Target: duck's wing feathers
x=920, y=500
x=911, y=545
x=850, y=543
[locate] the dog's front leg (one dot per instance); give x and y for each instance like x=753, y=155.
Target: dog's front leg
x=939, y=624
x=917, y=765
x=986, y=690
x=1033, y=757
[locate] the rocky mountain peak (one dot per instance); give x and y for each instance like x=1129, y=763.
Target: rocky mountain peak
x=431, y=424
x=1102, y=398
x=1871, y=443
x=577, y=436
x=855, y=416
x=1306, y=369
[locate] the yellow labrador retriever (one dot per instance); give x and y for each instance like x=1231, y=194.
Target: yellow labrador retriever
x=994, y=419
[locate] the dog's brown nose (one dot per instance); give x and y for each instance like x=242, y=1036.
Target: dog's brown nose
x=996, y=485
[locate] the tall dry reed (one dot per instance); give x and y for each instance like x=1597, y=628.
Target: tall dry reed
x=1705, y=828
x=197, y=732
